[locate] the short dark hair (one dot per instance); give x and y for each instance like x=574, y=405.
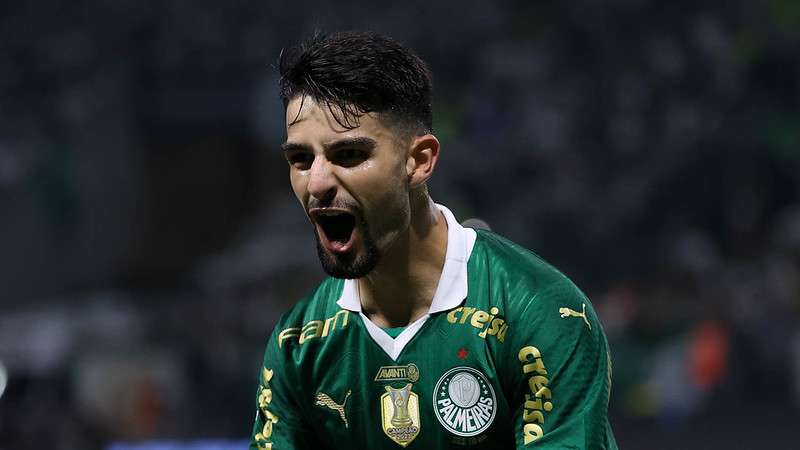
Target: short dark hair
x=356, y=73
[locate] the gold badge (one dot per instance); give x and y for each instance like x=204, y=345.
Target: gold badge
x=400, y=414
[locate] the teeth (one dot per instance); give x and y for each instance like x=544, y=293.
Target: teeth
x=327, y=212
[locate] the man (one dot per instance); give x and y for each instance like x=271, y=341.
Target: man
x=427, y=334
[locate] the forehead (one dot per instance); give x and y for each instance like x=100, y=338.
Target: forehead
x=307, y=120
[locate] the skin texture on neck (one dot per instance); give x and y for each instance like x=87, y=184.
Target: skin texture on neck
x=400, y=289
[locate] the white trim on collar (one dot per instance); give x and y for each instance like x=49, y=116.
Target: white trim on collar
x=450, y=291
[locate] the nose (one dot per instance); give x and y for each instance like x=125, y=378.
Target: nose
x=322, y=182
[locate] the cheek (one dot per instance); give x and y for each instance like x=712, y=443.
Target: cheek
x=391, y=205
x=299, y=185
x=390, y=188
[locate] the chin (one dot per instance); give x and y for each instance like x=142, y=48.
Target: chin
x=351, y=265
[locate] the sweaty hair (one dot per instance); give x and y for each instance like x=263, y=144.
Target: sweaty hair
x=356, y=73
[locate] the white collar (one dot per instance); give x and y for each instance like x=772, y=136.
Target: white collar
x=452, y=287
x=450, y=292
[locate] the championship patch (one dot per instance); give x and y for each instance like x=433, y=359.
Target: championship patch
x=464, y=401
x=400, y=414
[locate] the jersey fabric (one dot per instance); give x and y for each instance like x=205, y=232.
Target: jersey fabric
x=510, y=355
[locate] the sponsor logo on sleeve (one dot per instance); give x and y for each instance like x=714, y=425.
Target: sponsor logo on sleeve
x=264, y=436
x=538, y=400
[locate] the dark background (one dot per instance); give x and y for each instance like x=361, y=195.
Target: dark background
x=149, y=239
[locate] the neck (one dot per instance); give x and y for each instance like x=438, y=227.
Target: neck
x=401, y=287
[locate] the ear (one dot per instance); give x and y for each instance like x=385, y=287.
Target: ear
x=422, y=157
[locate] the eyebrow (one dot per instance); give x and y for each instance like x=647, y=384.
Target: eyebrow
x=362, y=142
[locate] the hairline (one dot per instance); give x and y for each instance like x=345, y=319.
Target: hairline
x=401, y=129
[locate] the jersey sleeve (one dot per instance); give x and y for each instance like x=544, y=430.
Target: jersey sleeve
x=279, y=421
x=558, y=372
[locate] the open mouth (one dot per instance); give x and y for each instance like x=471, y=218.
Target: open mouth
x=336, y=228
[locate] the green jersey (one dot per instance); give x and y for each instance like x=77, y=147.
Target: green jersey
x=510, y=354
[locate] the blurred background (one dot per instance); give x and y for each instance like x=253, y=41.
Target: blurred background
x=149, y=239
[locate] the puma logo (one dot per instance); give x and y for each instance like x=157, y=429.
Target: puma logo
x=566, y=312
x=324, y=399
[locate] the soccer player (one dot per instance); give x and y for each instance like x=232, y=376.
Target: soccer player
x=427, y=334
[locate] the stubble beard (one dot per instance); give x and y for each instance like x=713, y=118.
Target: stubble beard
x=350, y=265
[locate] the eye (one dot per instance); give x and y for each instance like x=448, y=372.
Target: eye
x=300, y=160
x=349, y=157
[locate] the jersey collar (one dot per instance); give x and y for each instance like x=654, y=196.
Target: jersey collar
x=452, y=287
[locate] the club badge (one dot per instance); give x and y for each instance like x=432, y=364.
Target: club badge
x=464, y=401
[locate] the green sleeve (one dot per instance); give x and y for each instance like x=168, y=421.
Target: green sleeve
x=559, y=372
x=278, y=422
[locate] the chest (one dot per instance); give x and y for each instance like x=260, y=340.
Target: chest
x=442, y=390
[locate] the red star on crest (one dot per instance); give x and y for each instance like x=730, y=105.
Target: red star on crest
x=462, y=353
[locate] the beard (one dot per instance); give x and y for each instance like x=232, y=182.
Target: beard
x=352, y=264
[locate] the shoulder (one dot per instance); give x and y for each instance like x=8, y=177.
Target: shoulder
x=318, y=301
x=526, y=282
x=546, y=313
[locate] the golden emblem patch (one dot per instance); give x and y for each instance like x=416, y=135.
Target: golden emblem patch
x=400, y=414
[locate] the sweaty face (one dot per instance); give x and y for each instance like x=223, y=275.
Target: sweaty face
x=352, y=184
